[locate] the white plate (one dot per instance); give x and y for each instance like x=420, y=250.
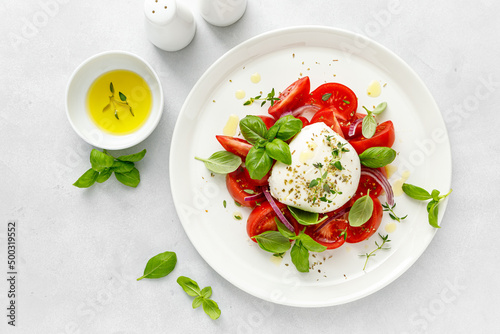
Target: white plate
x=325, y=55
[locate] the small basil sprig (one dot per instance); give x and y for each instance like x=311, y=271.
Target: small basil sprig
x=268, y=145
x=421, y=194
x=361, y=211
x=104, y=164
x=278, y=242
x=222, y=162
x=376, y=157
x=160, y=265
x=202, y=296
x=369, y=125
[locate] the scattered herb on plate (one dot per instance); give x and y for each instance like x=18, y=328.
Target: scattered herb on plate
x=421, y=194
x=369, y=124
x=385, y=239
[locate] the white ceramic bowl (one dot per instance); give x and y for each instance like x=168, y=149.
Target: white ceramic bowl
x=76, y=94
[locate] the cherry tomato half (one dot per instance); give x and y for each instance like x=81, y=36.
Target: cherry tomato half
x=305, y=121
x=327, y=116
x=261, y=219
x=238, y=146
x=384, y=136
x=331, y=235
x=268, y=120
x=292, y=97
x=363, y=232
x=237, y=183
x=338, y=96
x=259, y=183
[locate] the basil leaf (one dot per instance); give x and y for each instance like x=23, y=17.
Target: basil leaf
x=304, y=217
x=433, y=214
x=87, y=179
x=258, y=162
x=197, y=301
x=300, y=257
x=100, y=160
x=206, y=292
x=189, y=286
x=380, y=108
x=130, y=179
x=415, y=192
x=222, y=162
x=283, y=229
x=285, y=128
x=104, y=175
x=361, y=211
x=310, y=244
x=279, y=150
x=368, y=126
x=253, y=128
x=122, y=166
x=211, y=308
x=376, y=157
x=133, y=157
x=160, y=265
x=435, y=195
x=273, y=241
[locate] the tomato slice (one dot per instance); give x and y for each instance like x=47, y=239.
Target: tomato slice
x=345, y=125
x=292, y=97
x=363, y=232
x=261, y=219
x=331, y=234
x=368, y=183
x=327, y=116
x=262, y=182
x=238, y=146
x=338, y=96
x=305, y=121
x=237, y=183
x=384, y=136
x=268, y=120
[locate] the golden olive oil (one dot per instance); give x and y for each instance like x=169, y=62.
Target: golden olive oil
x=119, y=102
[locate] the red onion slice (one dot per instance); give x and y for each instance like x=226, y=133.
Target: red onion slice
x=382, y=181
x=302, y=110
x=286, y=113
x=253, y=197
x=353, y=127
x=278, y=212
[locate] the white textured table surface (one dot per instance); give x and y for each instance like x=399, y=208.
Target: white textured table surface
x=80, y=251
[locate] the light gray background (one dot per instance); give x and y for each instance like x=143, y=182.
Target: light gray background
x=81, y=250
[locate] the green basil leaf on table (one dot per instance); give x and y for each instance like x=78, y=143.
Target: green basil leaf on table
x=189, y=286
x=133, y=157
x=130, y=179
x=87, y=179
x=376, y=157
x=361, y=211
x=222, y=162
x=122, y=166
x=211, y=308
x=100, y=160
x=197, y=301
x=104, y=175
x=279, y=150
x=160, y=265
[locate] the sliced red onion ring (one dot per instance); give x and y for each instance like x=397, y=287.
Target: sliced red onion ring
x=382, y=181
x=277, y=210
x=353, y=127
x=286, y=113
x=253, y=197
x=301, y=110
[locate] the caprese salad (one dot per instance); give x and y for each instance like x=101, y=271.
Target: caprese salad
x=312, y=170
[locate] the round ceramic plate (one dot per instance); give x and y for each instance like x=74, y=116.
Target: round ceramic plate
x=281, y=57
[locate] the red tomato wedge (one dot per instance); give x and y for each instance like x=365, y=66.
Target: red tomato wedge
x=384, y=136
x=237, y=183
x=268, y=120
x=327, y=116
x=338, y=96
x=292, y=97
x=261, y=219
x=363, y=232
x=238, y=146
x=331, y=234
x=368, y=183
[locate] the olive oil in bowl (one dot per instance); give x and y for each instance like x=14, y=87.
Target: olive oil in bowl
x=119, y=102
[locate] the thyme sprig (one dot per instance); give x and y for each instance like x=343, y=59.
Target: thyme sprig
x=387, y=208
x=113, y=102
x=270, y=97
x=385, y=239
